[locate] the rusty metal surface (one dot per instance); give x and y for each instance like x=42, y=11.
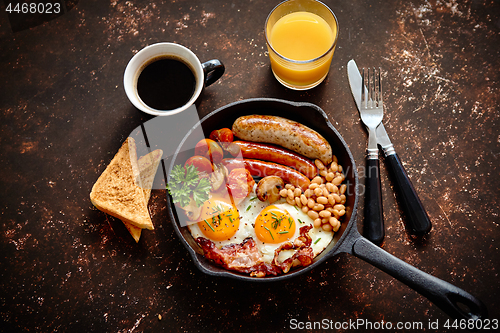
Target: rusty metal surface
x=65, y=266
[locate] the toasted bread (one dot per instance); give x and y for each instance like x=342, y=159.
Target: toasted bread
x=148, y=165
x=117, y=193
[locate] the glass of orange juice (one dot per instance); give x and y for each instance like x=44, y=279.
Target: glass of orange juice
x=301, y=36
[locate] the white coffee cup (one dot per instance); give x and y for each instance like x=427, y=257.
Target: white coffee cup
x=205, y=74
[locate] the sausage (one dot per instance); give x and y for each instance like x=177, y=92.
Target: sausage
x=260, y=169
x=233, y=163
x=271, y=153
x=284, y=132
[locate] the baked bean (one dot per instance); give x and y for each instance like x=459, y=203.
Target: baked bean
x=325, y=192
x=330, y=187
x=318, y=207
x=318, y=191
x=327, y=227
x=284, y=192
x=322, y=200
x=310, y=203
x=313, y=186
x=337, y=180
x=290, y=201
x=334, y=167
x=342, y=212
x=331, y=199
x=334, y=158
x=343, y=188
x=297, y=192
x=290, y=193
x=317, y=223
x=289, y=186
x=305, y=209
x=308, y=193
x=336, y=198
x=298, y=202
x=323, y=173
x=319, y=164
x=334, y=223
x=303, y=199
x=340, y=168
x=313, y=214
x=318, y=180
x=329, y=176
x=339, y=207
x=325, y=214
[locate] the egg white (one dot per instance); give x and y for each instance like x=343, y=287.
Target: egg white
x=250, y=208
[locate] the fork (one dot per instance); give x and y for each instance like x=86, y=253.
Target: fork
x=372, y=112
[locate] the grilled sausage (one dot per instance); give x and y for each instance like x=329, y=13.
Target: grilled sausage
x=284, y=132
x=262, y=169
x=271, y=153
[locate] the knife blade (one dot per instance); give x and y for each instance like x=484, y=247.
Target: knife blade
x=418, y=222
x=373, y=224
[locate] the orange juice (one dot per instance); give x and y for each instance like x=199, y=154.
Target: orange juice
x=302, y=37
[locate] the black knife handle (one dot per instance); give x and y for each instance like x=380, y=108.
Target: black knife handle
x=418, y=223
x=373, y=225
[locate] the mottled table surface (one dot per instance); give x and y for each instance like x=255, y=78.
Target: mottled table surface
x=67, y=267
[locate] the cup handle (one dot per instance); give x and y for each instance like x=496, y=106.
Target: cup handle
x=213, y=70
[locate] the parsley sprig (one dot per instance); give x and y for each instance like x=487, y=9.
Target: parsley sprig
x=185, y=183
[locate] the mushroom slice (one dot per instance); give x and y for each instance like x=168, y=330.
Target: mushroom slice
x=269, y=188
x=218, y=177
x=192, y=211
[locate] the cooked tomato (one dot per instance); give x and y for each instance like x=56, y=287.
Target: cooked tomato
x=222, y=135
x=201, y=163
x=210, y=149
x=240, y=183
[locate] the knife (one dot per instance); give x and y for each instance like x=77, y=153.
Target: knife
x=418, y=222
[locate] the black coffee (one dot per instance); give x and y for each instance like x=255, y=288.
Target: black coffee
x=166, y=83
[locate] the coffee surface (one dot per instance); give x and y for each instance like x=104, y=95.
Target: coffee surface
x=166, y=84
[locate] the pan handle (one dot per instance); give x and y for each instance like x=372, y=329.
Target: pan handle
x=456, y=302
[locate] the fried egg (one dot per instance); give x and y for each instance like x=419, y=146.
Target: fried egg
x=269, y=225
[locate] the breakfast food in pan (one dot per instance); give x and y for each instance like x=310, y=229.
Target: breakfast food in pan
x=124, y=188
x=280, y=201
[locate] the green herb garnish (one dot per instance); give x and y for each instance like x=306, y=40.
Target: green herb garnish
x=185, y=183
x=317, y=240
x=269, y=232
x=209, y=225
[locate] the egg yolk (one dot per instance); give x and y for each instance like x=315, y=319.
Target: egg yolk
x=219, y=220
x=274, y=225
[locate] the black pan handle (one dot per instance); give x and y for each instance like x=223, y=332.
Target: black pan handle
x=456, y=302
x=417, y=221
x=373, y=223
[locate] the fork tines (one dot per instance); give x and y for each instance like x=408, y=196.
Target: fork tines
x=373, y=83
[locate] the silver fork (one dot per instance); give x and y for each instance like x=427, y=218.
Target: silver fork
x=372, y=112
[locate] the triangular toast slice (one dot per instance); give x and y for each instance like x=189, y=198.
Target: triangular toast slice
x=117, y=193
x=148, y=165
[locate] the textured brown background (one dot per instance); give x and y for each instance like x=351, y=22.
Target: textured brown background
x=65, y=266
